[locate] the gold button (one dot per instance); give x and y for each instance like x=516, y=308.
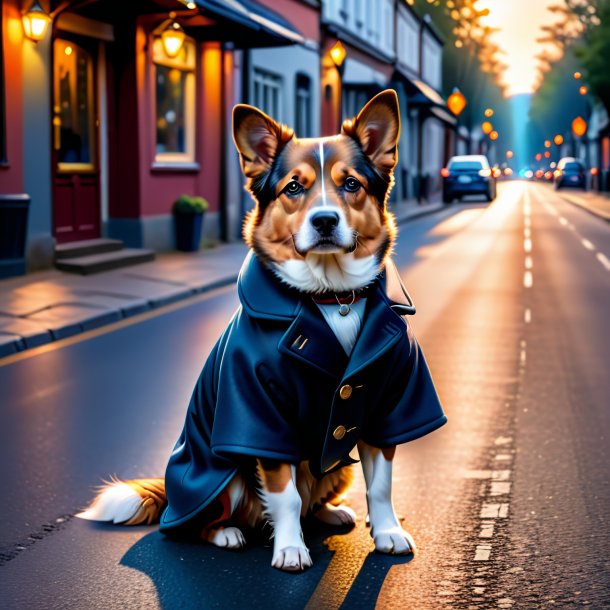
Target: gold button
x=339, y=432
x=345, y=392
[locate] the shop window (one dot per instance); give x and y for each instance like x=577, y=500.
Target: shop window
x=267, y=93
x=174, y=104
x=302, y=111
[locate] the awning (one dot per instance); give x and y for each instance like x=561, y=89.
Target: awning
x=425, y=95
x=443, y=115
x=249, y=24
x=357, y=73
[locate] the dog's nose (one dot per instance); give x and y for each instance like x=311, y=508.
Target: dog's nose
x=324, y=222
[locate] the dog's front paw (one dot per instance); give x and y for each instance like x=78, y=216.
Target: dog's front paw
x=227, y=538
x=336, y=515
x=292, y=559
x=395, y=541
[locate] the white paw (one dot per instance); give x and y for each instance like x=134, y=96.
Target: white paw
x=228, y=538
x=336, y=515
x=394, y=541
x=292, y=559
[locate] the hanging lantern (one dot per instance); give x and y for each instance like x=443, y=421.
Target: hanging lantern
x=538, y=157
x=558, y=139
x=579, y=126
x=172, y=38
x=583, y=90
x=487, y=127
x=338, y=53
x=35, y=22
x=577, y=75
x=456, y=102
x=493, y=135
x=509, y=154
x=488, y=112
x=547, y=144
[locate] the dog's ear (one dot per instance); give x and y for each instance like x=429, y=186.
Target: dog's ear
x=377, y=129
x=258, y=139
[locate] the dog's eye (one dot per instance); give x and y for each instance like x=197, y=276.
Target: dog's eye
x=293, y=188
x=351, y=185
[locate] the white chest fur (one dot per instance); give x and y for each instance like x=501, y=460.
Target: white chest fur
x=346, y=328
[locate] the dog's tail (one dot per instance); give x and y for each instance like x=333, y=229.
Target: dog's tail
x=128, y=502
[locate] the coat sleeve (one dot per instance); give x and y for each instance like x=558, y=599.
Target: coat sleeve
x=409, y=406
x=254, y=415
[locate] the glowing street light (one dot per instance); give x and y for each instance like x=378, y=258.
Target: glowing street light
x=487, y=127
x=579, y=127
x=577, y=75
x=538, y=157
x=547, y=154
x=456, y=102
x=509, y=154
x=558, y=139
x=583, y=90
x=488, y=112
x=493, y=135
x=547, y=144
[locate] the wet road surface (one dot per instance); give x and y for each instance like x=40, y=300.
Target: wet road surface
x=508, y=502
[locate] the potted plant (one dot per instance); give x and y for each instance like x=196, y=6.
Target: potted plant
x=188, y=219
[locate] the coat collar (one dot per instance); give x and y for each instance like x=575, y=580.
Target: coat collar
x=308, y=338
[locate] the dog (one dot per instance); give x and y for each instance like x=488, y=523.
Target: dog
x=319, y=358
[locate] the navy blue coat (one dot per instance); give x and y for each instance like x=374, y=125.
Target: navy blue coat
x=272, y=387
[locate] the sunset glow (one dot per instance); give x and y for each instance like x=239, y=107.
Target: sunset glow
x=519, y=22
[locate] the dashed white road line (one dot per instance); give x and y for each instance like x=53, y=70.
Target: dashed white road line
x=527, y=245
x=527, y=316
x=587, y=244
x=528, y=279
x=603, y=259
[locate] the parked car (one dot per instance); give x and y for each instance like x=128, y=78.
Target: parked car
x=468, y=175
x=570, y=172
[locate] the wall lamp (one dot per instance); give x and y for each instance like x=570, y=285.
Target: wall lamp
x=35, y=22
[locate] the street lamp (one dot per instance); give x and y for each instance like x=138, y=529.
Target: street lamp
x=509, y=154
x=487, y=127
x=488, y=112
x=558, y=139
x=583, y=90
x=493, y=135
x=577, y=75
x=35, y=22
x=547, y=144
x=456, y=102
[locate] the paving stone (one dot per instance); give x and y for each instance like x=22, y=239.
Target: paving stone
x=32, y=333
x=67, y=320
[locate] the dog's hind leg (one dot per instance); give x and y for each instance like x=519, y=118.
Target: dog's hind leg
x=327, y=495
x=282, y=506
x=218, y=531
x=388, y=535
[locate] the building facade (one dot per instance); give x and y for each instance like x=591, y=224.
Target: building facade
x=102, y=129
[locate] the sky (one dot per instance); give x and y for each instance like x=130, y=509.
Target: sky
x=520, y=22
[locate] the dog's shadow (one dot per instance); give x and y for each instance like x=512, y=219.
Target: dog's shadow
x=189, y=575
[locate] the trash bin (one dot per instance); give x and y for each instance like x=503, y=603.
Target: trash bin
x=13, y=233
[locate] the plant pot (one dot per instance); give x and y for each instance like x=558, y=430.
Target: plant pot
x=188, y=231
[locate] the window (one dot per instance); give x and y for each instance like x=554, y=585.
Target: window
x=74, y=132
x=302, y=110
x=175, y=104
x=2, y=110
x=266, y=95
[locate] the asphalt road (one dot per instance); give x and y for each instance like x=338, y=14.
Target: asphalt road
x=508, y=502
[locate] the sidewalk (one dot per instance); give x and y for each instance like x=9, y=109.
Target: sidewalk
x=46, y=306
x=591, y=201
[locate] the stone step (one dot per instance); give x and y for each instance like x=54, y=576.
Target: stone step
x=86, y=248
x=95, y=263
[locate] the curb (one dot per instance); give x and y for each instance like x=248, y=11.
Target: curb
x=15, y=344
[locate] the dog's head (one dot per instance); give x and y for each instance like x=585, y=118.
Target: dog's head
x=320, y=220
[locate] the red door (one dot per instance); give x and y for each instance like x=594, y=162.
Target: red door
x=76, y=176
